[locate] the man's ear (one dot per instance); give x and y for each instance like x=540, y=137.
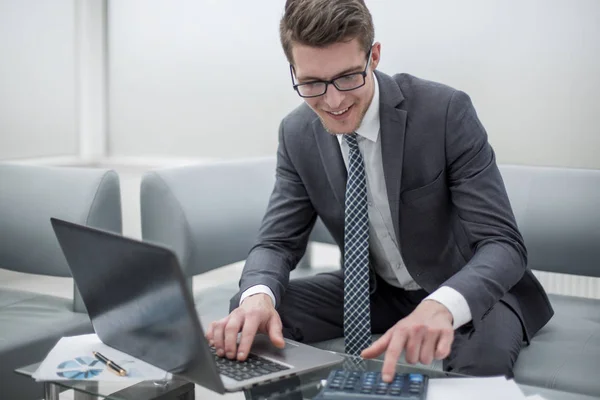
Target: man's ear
x=375, y=55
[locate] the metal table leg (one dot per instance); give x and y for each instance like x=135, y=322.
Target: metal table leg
x=51, y=391
x=90, y=387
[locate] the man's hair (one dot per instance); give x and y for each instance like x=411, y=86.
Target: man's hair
x=320, y=23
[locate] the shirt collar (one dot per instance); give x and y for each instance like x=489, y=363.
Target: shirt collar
x=369, y=127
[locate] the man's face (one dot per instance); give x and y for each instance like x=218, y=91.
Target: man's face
x=339, y=111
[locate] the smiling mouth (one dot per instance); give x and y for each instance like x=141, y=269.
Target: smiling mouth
x=339, y=113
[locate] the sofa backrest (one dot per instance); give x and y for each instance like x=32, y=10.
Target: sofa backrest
x=30, y=195
x=558, y=213
x=210, y=214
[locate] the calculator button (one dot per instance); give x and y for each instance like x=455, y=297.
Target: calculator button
x=348, y=384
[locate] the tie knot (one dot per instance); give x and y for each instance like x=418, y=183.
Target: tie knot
x=351, y=140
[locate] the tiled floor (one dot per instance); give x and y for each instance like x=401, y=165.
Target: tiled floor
x=322, y=255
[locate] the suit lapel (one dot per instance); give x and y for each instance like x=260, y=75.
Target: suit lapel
x=393, y=126
x=331, y=156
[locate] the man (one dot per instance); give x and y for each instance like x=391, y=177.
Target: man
x=400, y=171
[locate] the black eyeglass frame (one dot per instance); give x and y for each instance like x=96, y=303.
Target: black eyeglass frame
x=332, y=82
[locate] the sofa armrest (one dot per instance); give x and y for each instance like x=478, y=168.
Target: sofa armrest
x=558, y=213
x=31, y=195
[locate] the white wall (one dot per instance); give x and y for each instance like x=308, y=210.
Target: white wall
x=532, y=68
x=195, y=78
x=208, y=78
x=37, y=79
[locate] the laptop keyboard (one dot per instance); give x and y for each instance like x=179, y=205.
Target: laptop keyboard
x=254, y=366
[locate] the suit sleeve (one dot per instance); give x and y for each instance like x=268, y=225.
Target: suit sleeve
x=284, y=231
x=484, y=211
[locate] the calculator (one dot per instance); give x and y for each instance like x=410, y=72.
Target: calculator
x=362, y=385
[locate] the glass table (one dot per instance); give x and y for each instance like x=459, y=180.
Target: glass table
x=302, y=387
x=305, y=386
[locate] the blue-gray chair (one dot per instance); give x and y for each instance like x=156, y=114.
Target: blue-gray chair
x=31, y=323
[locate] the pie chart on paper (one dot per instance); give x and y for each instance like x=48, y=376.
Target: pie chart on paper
x=80, y=368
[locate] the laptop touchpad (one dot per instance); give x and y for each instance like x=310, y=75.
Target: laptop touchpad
x=262, y=344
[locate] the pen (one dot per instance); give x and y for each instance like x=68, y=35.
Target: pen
x=110, y=364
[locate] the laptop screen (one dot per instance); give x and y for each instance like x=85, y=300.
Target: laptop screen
x=135, y=295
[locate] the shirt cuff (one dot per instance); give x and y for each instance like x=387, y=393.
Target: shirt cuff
x=256, y=289
x=455, y=303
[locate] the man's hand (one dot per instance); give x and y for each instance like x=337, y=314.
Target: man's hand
x=425, y=334
x=255, y=314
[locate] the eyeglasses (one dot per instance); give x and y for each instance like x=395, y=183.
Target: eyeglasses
x=342, y=83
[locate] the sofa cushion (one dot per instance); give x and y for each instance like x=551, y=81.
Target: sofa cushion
x=31, y=324
x=553, y=394
x=25, y=316
x=565, y=354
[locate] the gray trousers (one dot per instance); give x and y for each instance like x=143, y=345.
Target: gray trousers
x=312, y=311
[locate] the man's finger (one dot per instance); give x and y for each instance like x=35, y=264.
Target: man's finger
x=218, y=336
x=275, y=330
x=413, y=344
x=428, y=344
x=209, y=332
x=392, y=354
x=444, y=344
x=233, y=327
x=379, y=346
x=248, y=333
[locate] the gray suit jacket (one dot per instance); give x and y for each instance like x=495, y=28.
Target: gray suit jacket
x=450, y=211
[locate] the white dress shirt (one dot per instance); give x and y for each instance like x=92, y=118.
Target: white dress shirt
x=383, y=247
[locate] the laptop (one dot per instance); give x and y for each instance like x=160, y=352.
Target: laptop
x=138, y=302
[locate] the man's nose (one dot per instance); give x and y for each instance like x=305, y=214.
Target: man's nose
x=333, y=98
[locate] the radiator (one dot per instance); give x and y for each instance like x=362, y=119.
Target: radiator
x=571, y=285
